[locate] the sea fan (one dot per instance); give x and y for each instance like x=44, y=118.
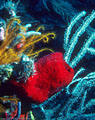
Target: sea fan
x=70, y=44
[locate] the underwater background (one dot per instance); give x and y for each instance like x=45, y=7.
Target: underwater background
x=47, y=59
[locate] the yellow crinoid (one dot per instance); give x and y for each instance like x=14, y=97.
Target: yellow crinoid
x=10, y=55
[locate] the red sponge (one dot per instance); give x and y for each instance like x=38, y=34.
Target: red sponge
x=52, y=73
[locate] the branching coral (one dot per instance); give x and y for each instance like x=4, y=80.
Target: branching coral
x=9, y=55
x=70, y=44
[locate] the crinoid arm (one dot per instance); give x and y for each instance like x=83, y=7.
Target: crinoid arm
x=16, y=33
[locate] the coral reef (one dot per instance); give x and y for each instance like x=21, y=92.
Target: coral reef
x=23, y=69
x=12, y=55
x=46, y=88
x=5, y=72
x=76, y=101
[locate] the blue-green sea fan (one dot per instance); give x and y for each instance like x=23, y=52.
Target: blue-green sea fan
x=70, y=43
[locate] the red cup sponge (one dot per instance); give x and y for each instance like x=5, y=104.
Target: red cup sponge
x=52, y=73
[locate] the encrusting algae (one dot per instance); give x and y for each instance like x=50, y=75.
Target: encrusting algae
x=11, y=54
